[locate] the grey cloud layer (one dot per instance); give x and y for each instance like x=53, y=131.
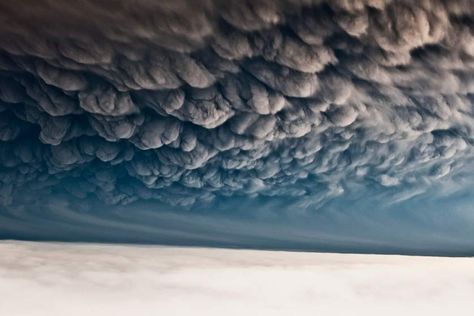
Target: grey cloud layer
x=186, y=101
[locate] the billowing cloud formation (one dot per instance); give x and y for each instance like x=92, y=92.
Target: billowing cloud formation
x=188, y=101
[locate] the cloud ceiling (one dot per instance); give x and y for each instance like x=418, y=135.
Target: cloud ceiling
x=185, y=101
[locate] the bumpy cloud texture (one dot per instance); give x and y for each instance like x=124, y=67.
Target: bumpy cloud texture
x=187, y=101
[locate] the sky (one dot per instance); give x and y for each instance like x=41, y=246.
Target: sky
x=291, y=124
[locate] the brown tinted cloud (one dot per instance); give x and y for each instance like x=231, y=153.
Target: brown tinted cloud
x=183, y=101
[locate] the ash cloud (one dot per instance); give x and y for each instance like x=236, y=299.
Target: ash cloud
x=186, y=102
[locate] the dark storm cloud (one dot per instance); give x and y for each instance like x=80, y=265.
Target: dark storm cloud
x=186, y=101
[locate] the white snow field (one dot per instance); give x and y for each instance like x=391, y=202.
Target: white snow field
x=97, y=279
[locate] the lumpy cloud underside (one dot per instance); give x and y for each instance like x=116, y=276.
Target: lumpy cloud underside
x=188, y=101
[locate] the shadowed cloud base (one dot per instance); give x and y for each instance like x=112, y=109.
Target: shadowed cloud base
x=343, y=125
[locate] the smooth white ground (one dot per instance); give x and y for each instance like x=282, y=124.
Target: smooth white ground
x=71, y=279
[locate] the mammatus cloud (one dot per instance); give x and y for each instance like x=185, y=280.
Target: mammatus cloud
x=189, y=102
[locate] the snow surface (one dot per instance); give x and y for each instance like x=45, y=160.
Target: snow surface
x=97, y=279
